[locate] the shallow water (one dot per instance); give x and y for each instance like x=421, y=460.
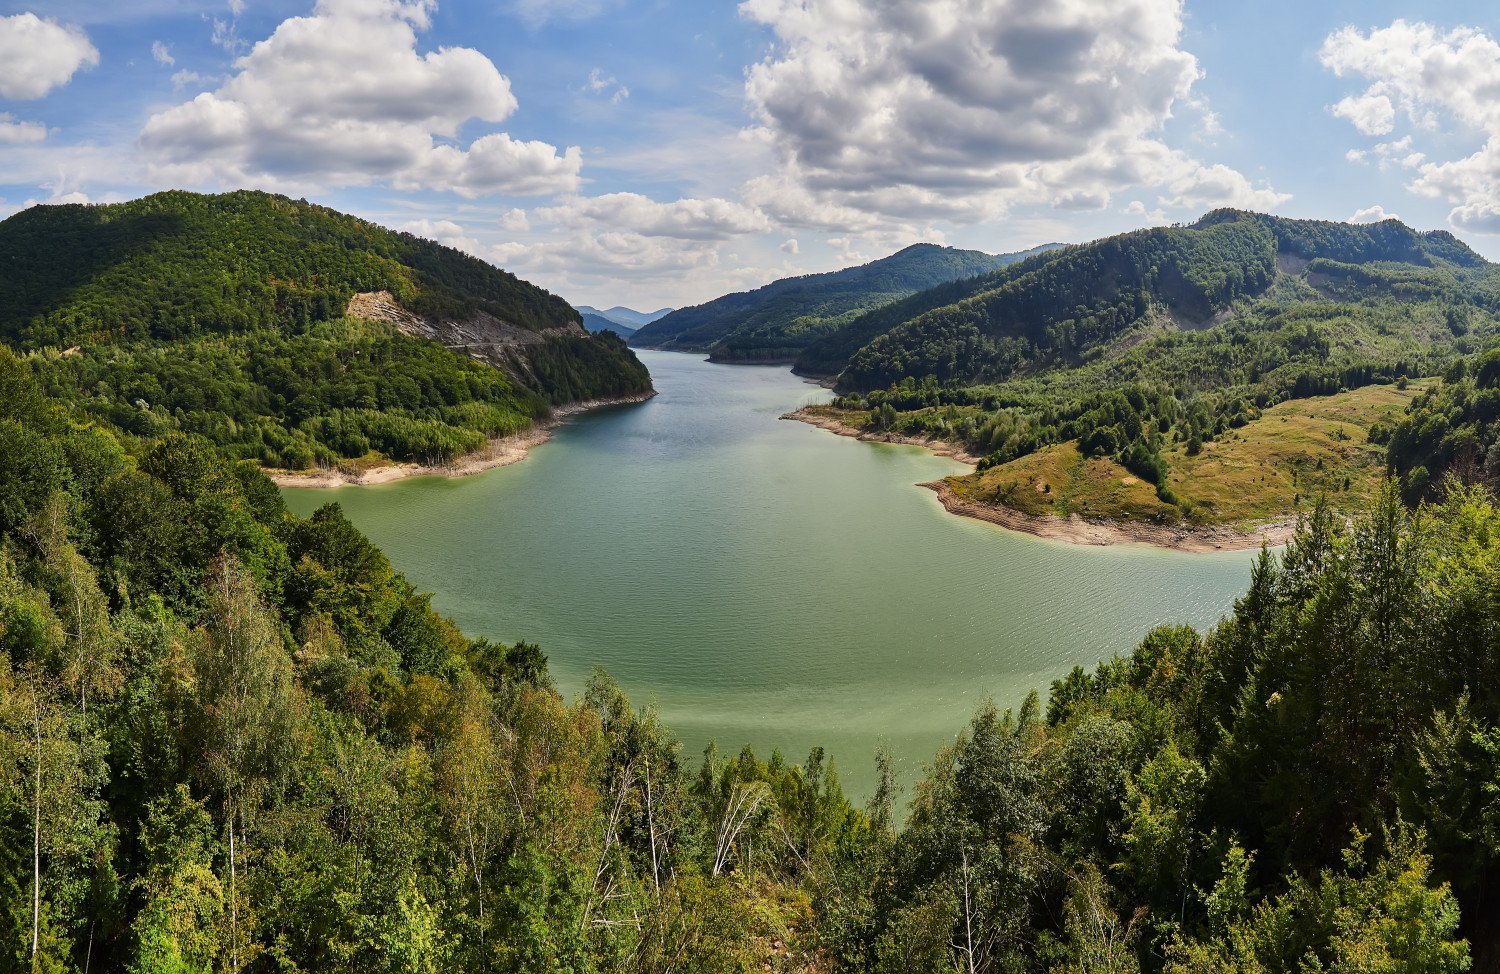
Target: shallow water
x=767, y=582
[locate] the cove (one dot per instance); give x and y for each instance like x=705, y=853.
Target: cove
x=761, y=581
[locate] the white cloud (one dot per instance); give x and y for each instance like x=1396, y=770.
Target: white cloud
x=684, y=219
x=1480, y=217
x=1431, y=75
x=162, y=54
x=37, y=56
x=183, y=78
x=1372, y=214
x=607, y=85
x=343, y=97
x=958, y=109
x=1199, y=186
x=1372, y=113
x=227, y=35
x=13, y=132
x=790, y=246
x=515, y=221
x=445, y=232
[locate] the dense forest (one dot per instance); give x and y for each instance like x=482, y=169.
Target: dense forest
x=224, y=316
x=777, y=321
x=235, y=739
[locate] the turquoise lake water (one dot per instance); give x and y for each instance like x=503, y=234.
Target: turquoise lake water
x=763, y=581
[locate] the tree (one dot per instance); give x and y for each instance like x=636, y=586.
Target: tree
x=243, y=711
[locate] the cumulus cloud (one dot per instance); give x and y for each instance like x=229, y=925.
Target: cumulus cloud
x=790, y=246
x=344, y=97
x=1372, y=214
x=445, y=232
x=515, y=220
x=14, y=132
x=684, y=219
x=37, y=56
x=162, y=54
x=959, y=108
x=1428, y=75
x=1372, y=113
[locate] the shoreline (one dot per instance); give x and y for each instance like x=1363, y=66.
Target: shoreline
x=941, y=447
x=501, y=451
x=1074, y=529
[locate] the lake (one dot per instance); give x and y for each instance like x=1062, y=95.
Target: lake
x=763, y=581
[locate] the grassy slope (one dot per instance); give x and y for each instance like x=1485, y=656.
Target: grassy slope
x=1262, y=472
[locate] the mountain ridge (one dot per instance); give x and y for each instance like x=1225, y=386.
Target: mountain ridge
x=773, y=322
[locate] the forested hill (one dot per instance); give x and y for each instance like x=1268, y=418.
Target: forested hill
x=775, y=321
x=287, y=332
x=177, y=264
x=1185, y=278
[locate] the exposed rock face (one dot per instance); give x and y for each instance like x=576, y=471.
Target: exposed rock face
x=482, y=336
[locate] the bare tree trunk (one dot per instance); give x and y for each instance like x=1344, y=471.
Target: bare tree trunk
x=968, y=948
x=651, y=825
x=234, y=902
x=36, y=829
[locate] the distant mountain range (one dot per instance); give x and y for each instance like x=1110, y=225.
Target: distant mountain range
x=594, y=323
x=775, y=323
x=622, y=317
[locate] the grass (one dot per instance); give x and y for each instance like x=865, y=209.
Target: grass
x=1269, y=469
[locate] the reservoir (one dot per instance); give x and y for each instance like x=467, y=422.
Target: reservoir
x=762, y=581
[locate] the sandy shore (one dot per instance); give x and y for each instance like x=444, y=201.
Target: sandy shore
x=815, y=416
x=1074, y=530
x=501, y=451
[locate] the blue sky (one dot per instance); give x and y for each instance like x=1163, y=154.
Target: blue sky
x=663, y=152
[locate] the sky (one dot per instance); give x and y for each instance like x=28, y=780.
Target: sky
x=663, y=152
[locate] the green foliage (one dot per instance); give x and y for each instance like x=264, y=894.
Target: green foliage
x=1189, y=807
x=241, y=740
x=1451, y=429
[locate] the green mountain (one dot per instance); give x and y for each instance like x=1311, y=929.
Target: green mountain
x=775, y=322
x=1155, y=357
x=830, y=354
x=290, y=333
x=1087, y=298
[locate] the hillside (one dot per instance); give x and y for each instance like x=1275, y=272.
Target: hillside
x=1144, y=348
x=774, y=322
x=290, y=333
